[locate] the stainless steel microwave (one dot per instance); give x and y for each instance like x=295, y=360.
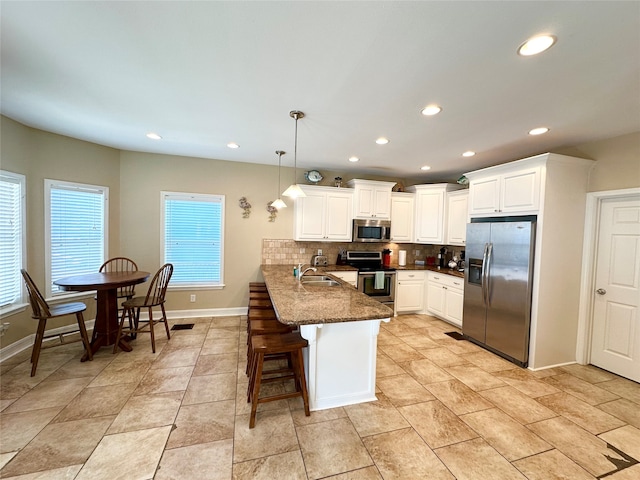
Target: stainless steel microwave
x=371, y=230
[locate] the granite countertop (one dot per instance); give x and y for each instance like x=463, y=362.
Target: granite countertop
x=433, y=268
x=297, y=304
x=430, y=268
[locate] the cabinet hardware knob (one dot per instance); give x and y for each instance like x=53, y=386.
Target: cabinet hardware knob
x=601, y=291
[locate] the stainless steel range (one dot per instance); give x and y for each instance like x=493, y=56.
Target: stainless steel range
x=374, y=279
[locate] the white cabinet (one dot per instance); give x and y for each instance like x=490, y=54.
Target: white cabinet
x=508, y=189
x=445, y=297
x=402, y=206
x=372, y=199
x=324, y=214
x=457, y=217
x=431, y=211
x=348, y=276
x=409, y=290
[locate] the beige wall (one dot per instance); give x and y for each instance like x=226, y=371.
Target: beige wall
x=41, y=155
x=618, y=162
x=144, y=176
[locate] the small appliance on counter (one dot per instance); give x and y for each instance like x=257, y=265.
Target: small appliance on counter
x=319, y=261
x=441, y=257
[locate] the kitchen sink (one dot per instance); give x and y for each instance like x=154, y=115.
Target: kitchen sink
x=319, y=281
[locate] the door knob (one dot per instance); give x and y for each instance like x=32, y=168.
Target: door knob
x=601, y=291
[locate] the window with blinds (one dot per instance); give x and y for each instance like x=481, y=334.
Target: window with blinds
x=12, y=237
x=192, y=238
x=76, y=230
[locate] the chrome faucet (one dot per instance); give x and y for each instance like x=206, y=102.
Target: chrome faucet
x=302, y=272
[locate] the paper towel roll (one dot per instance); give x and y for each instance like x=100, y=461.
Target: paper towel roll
x=402, y=258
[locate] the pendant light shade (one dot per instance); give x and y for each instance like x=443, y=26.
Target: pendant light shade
x=294, y=190
x=278, y=203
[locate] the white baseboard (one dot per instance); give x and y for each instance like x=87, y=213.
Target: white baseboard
x=551, y=366
x=27, y=342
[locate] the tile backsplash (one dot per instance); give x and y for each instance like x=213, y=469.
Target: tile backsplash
x=290, y=252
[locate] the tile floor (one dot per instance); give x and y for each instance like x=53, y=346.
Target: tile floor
x=446, y=409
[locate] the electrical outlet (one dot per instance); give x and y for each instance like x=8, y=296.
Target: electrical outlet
x=192, y=299
x=319, y=251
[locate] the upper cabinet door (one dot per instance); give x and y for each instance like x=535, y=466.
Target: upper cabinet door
x=484, y=195
x=310, y=215
x=430, y=216
x=402, y=206
x=338, y=219
x=520, y=191
x=457, y=217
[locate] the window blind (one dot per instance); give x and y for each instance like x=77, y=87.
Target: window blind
x=11, y=237
x=193, y=238
x=77, y=231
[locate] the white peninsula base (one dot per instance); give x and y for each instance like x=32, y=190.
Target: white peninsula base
x=340, y=362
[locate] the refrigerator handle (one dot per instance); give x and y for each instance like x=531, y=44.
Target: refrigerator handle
x=488, y=274
x=483, y=274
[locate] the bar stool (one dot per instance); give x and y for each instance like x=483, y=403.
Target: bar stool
x=264, y=327
x=257, y=287
x=290, y=344
x=260, y=303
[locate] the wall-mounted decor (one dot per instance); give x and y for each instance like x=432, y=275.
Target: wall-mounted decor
x=273, y=212
x=246, y=206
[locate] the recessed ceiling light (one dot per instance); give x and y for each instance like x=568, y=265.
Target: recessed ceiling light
x=538, y=131
x=233, y=145
x=468, y=153
x=425, y=167
x=431, y=110
x=536, y=45
x=382, y=141
x=354, y=159
x=154, y=136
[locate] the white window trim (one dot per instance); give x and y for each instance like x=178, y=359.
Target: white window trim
x=21, y=304
x=163, y=196
x=48, y=184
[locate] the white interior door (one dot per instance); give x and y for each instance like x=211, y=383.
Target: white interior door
x=615, y=344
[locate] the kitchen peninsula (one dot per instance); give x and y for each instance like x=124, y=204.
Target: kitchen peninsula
x=341, y=326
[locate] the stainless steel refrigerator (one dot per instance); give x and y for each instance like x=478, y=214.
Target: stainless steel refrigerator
x=497, y=285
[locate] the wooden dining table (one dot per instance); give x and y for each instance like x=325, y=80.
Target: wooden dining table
x=106, y=284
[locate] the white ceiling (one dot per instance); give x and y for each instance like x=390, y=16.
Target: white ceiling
x=203, y=74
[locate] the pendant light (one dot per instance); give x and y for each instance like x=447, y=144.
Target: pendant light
x=294, y=189
x=278, y=203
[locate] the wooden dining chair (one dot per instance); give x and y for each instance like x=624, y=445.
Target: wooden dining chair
x=155, y=298
x=120, y=264
x=41, y=311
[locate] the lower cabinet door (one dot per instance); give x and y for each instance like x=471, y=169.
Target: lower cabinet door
x=435, y=298
x=410, y=296
x=453, y=305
